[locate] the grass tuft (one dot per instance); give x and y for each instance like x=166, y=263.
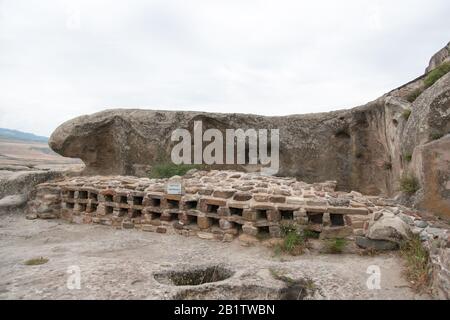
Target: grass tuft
x=406, y=113
x=417, y=263
x=35, y=261
x=293, y=243
x=336, y=245
x=412, y=96
x=436, y=136
x=409, y=183
x=436, y=74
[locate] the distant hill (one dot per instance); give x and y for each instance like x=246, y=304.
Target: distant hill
x=19, y=135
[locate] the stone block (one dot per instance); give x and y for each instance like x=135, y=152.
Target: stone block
x=316, y=203
x=273, y=215
x=249, y=215
x=242, y=196
x=381, y=245
x=238, y=204
x=318, y=209
x=296, y=201
x=203, y=222
x=275, y=231
x=161, y=229
x=261, y=197
x=250, y=229
x=277, y=199
x=225, y=224
x=228, y=237
x=127, y=225
x=205, y=235
x=225, y=194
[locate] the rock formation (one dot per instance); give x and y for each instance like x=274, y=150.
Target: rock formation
x=367, y=148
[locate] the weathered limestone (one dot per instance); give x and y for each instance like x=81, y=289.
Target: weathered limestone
x=365, y=148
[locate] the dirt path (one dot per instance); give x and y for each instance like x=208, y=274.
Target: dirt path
x=120, y=264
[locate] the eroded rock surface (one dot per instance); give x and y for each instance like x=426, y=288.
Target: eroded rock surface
x=367, y=148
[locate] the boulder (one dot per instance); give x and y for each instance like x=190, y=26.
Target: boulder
x=388, y=227
x=343, y=145
x=22, y=182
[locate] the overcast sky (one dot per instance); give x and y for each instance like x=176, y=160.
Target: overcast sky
x=60, y=59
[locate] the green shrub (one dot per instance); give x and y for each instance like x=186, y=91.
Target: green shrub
x=436, y=136
x=293, y=242
x=406, y=113
x=167, y=170
x=292, y=239
x=417, y=262
x=336, y=245
x=436, y=74
x=412, y=96
x=387, y=165
x=409, y=183
x=287, y=228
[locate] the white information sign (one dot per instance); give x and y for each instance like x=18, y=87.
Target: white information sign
x=173, y=188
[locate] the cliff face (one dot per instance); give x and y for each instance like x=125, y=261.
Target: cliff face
x=367, y=148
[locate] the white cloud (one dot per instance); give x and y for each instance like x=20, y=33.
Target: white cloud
x=60, y=59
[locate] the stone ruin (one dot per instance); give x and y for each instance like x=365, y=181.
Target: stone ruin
x=218, y=204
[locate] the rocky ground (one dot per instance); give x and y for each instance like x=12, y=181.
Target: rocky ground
x=17, y=155
x=122, y=264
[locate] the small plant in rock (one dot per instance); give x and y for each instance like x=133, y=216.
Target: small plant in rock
x=406, y=113
x=336, y=245
x=167, y=170
x=261, y=236
x=36, y=261
x=387, y=165
x=436, y=135
x=409, y=183
x=407, y=157
x=417, y=263
x=412, y=96
x=436, y=74
x=294, y=243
